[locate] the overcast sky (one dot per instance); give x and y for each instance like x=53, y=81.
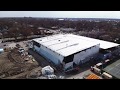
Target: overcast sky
x=62, y=14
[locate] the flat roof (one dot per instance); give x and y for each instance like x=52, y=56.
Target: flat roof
x=65, y=44
x=113, y=69
x=103, y=44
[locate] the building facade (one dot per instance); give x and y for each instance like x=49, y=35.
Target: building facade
x=65, y=49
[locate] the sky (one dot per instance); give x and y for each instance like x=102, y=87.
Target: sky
x=62, y=14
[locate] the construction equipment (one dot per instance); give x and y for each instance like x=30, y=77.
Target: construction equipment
x=96, y=70
x=106, y=75
x=98, y=64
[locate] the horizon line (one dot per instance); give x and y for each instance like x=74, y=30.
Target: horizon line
x=59, y=17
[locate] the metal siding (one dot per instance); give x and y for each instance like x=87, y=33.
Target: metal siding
x=68, y=65
x=56, y=55
x=49, y=55
x=84, y=54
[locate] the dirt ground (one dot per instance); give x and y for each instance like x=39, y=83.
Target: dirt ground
x=12, y=70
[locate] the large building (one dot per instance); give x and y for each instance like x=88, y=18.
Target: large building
x=66, y=49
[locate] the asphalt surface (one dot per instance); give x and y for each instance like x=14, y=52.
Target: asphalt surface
x=79, y=75
x=41, y=60
x=84, y=70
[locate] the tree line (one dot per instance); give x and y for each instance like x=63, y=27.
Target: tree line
x=105, y=29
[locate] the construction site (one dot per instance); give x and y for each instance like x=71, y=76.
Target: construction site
x=59, y=56
x=16, y=62
x=59, y=48
x=87, y=63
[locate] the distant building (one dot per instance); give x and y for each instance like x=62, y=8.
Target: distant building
x=48, y=33
x=110, y=52
x=54, y=27
x=60, y=19
x=67, y=29
x=41, y=28
x=31, y=25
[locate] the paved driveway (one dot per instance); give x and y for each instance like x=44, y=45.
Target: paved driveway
x=79, y=75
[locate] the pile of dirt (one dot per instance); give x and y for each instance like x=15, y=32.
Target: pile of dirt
x=32, y=74
x=12, y=65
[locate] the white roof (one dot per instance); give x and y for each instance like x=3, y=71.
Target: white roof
x=67, y=44
x=103, y=44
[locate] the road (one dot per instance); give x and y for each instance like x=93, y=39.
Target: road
x=79, y=75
